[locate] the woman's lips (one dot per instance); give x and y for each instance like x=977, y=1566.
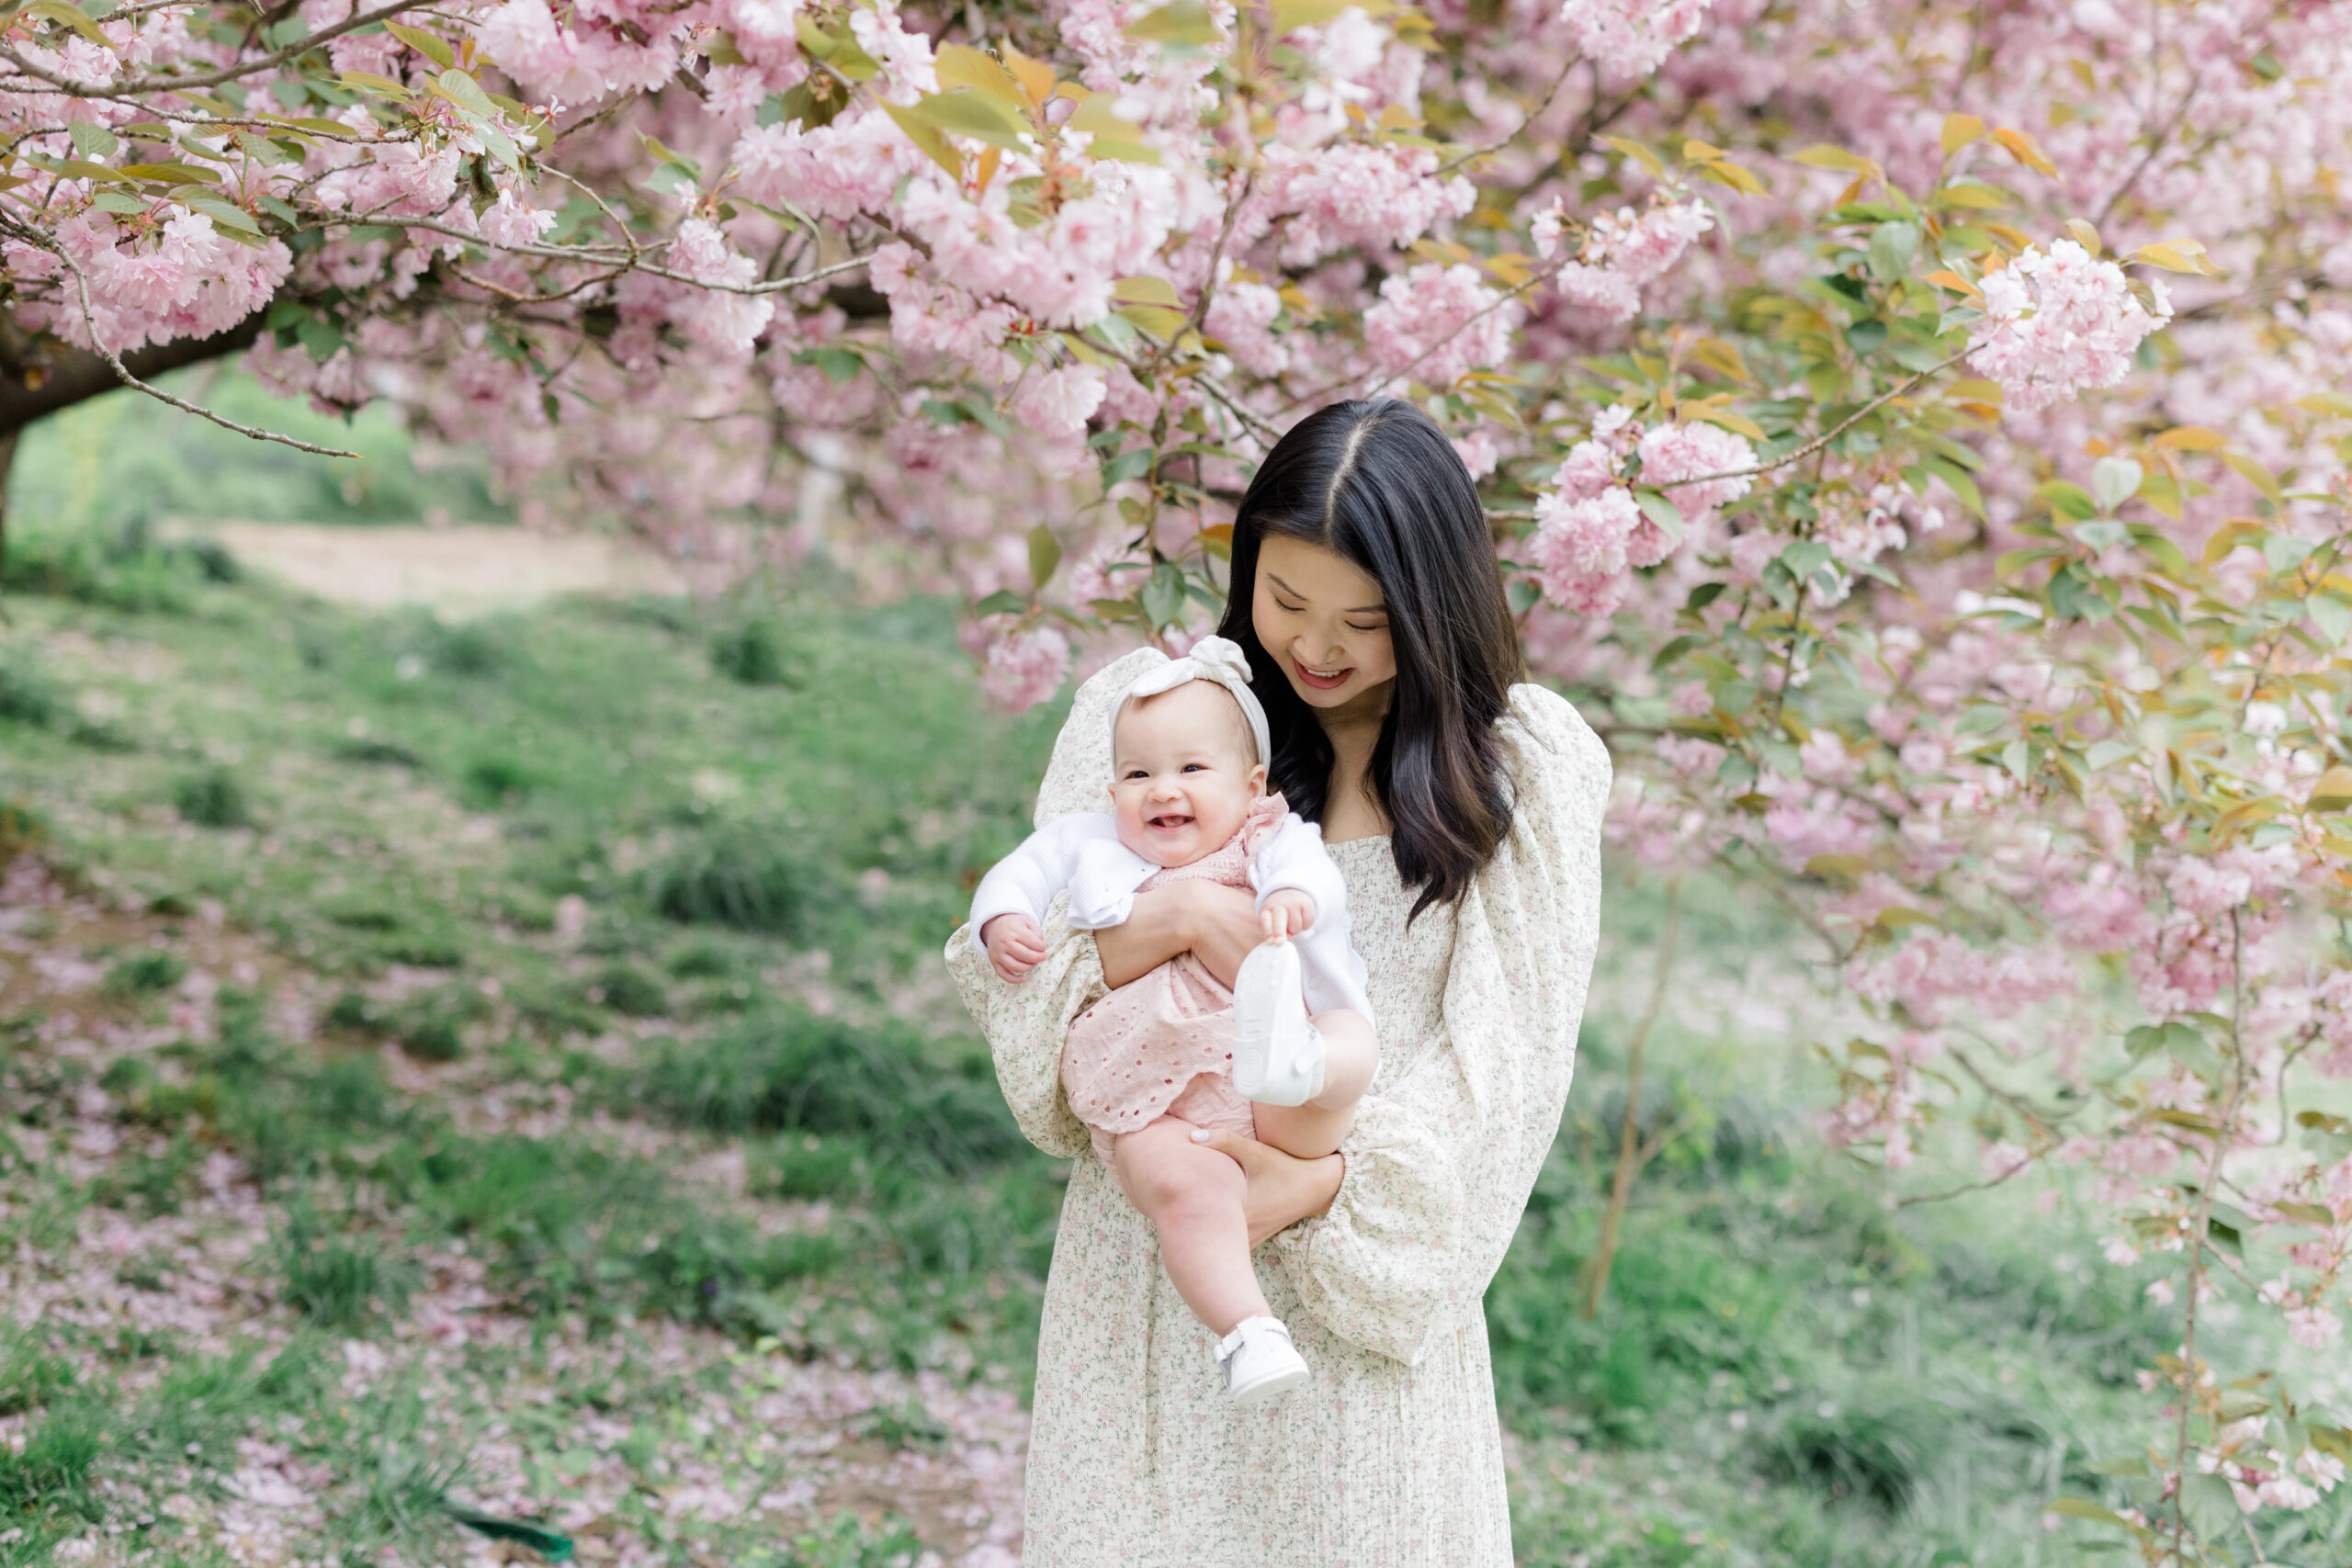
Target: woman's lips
x=1321, y=683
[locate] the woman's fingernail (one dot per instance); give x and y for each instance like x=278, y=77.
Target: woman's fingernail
x=1200, y=1134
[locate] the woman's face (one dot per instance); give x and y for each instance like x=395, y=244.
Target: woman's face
x=1325, y=621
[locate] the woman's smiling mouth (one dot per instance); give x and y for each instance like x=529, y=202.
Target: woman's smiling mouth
x=1321, y=680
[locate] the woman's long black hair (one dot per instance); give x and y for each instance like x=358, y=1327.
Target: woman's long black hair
x=1378, y=484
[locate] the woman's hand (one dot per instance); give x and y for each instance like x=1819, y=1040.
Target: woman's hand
x=1283, y=1189
x=1217, y=924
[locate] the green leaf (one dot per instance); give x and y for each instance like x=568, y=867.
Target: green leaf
x=1891, y=247
x=1804, y=558
x=2285, y=552
x=1003, y=602
x=2115, y=481
x=223, y=214
x=1960, y=484
x=1163, y=595
x=839, y=50
x=2105, y=754
x=1044, y=555
x=2332, y=615
x=116, y=201
x=71, y=17
x=2083, y=1509
x=1289, y=16
x=968, y=113
x=2067, y=500
x=545, y=1542
x=1660, y=511
x=839, y=364
x=1185, y=23
x=93, y=141
x=1127, y=465
x=424, y=43
x=375, y=86
x=1110, y=137
x=2208, y=1506
x=926, y=137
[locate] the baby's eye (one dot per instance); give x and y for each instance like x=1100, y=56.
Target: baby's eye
x=1196, y=767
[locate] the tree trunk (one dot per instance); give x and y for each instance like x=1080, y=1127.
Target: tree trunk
x=7, y=467
x=1633, y=1151
x=37, y=382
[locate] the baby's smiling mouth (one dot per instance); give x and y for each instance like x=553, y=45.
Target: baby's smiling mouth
x=1169, y=821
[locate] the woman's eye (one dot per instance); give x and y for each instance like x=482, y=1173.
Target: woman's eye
x=1353, y=627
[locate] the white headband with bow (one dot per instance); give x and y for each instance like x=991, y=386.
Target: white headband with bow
x=1213, y=658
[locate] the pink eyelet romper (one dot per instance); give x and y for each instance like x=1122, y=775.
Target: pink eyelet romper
x=1162, y=1044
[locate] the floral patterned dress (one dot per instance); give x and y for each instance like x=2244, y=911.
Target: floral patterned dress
x=1391, y=1456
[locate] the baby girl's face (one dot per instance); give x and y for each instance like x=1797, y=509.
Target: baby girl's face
x=1184, y=771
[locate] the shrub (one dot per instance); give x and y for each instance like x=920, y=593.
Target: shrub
x=734, y=876
x=378, y=751
x=27, y=695
x=631, y=992
x=21, y=830
x=335, y=1281
x=213, y=799
x=790, y=1070
x=30, y=1376
x=495, y=781
x=702, y=961
x=431, y=1025
x=751, y=654
x=152, y=970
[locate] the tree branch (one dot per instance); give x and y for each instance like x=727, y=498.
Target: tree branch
x=122, y=372
x=145, y=86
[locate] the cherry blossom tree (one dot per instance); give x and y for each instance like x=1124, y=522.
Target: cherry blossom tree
x=1912, y=429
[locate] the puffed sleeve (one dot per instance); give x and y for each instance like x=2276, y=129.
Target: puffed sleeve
x=1441, y=1162
x=1024, y=1024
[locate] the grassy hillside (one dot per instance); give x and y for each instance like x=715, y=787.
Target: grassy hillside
x=506, y=1069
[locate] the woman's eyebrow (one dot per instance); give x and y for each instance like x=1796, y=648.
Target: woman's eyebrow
x=1357, y=610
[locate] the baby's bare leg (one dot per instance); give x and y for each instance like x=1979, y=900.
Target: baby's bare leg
x=1350, y=1054
x=1192, y=1196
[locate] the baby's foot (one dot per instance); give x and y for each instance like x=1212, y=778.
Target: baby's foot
x=1259, y=1360
x=1277, y=1053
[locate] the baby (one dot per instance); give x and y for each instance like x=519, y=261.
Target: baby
x=1175, y=1051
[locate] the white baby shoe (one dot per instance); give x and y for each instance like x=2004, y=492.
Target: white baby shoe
x=1259, y=1360
x=1277, y=1054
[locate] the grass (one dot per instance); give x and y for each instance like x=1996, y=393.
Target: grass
x=590, y=1063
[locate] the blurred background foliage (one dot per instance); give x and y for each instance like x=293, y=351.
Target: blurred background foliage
x=687, y=867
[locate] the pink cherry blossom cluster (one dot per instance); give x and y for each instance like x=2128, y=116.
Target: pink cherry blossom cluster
x=2058, y=322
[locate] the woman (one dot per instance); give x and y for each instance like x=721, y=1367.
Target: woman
x=1464, y=811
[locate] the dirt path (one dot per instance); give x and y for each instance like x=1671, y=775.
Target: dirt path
x=459, y=571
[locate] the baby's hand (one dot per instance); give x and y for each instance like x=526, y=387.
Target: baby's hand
x=1287, y=913
x=1015, y=946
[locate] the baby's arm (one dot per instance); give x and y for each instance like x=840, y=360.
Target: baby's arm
x=1296, y=882
x=1008, y=906
x=1285, y=913
x=1015, y=944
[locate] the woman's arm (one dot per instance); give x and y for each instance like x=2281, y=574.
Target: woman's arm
x=1025, y=1023
x=1442, y=1158
x=1283, y=1189
x=1217, y=923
